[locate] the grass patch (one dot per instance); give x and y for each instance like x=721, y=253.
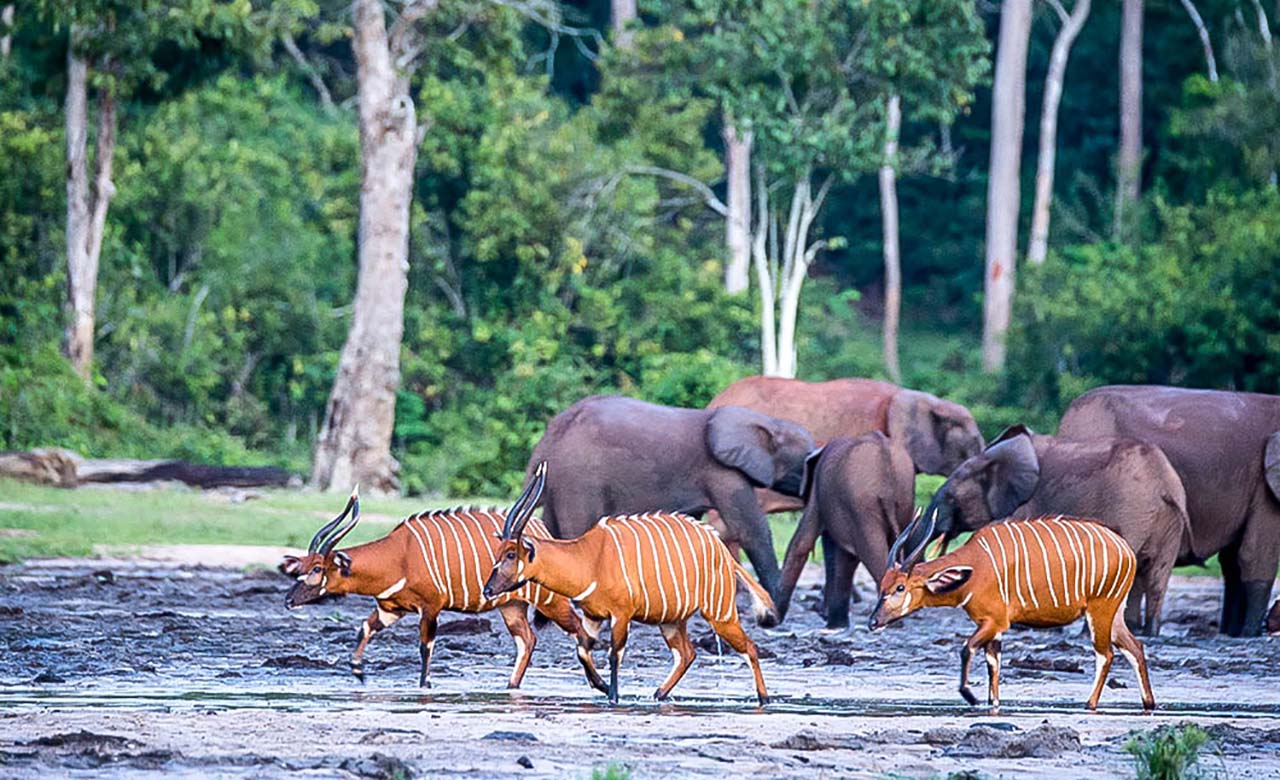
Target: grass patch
x=1169, y=752
x=42, y=521
x=611, y=771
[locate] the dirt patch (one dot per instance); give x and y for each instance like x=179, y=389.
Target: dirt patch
x=113, y=668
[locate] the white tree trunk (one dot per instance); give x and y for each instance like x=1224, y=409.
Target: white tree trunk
x=737, y=227
x=622, y=13
x=1071, y=26
x=355, y=441
x=764, y=279
x=1008, y=109
x=86, y=210
x=1129, y=159
x=889, y=219
x=6, y=22
x=1205, y=41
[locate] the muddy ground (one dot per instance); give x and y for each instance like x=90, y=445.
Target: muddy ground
x=141, y=669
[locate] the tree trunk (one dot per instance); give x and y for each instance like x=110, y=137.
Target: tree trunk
x=889, y=218
x=1071, y=25
x=86, y=210
x=737, y=227
x=764, y=279
x=1008, y=109
x=1205, y=41
x=355, y=440
x=1129, y=159
x=6, y=40
x=623, y=12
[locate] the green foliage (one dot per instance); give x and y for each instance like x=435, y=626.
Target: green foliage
x=1168, y=752
x=42, y=403
x=1195, y=308
x=611, y=771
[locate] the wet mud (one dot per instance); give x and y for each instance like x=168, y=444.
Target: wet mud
x=144, y=669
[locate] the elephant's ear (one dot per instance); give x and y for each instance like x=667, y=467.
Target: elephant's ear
x=1271, y=464
x=810, y=473
x=1017, y=429
x=911, y=423
x=736, y=438
x=1012, y=475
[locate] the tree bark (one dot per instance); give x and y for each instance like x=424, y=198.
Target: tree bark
x=764, y=279
x=1129, y=159
x=6, y=40
x=623, y=12
x=737, y=226
x=889, y=219
x=1008, y=109
x=355, y=441
x=86, y=209
x=1071, y=26
x=1205, y=41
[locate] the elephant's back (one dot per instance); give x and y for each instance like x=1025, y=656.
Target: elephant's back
x=839, y=407
x=615, y=416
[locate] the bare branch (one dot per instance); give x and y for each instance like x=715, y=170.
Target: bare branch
x=1204, y=38
x=708, y=196
x=1058, y=9
x=317, y=83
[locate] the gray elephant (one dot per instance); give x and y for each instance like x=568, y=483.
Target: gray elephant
x=614, y=455
x=861, y=492
x=1128, y=485
x=1226, y=448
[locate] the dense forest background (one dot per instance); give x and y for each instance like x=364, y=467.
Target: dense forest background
x=547, y=262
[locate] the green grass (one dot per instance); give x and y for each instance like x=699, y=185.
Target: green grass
x=39, y=522
x=611, y=771
x=43, y=521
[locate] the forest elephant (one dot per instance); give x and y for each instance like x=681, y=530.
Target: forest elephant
x=1226, y=448
x=611, y=455
x=936, y=434
x=861, y=493
x=1127, y=485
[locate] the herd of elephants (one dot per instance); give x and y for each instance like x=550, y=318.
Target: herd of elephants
x=1164, y=476
x=1180, y=474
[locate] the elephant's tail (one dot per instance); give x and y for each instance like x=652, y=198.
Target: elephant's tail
x=762, y=607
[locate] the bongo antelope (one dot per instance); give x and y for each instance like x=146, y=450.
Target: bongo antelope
x=657, y=568
x=1044, y=571
x=431, y=562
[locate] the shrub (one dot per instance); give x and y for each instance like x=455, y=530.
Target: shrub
x=1169, y=752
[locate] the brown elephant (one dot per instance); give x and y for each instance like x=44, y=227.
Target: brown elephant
x=861, y=492
x=1127, y=485
x=1226, y=448
x=610, y=455
x=936, y=433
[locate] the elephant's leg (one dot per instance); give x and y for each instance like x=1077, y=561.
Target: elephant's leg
x=797, y=555
x=1259, y=557
x=1232, y=591
x=1133, y=605
x=839, y=588
x=828, y=571
x=747, y=523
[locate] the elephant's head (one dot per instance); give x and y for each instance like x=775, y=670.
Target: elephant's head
x=770, y=451
x=938, y=434
x=989, y=486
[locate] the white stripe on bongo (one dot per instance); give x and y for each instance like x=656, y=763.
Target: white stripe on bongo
x=1004, y=595
x=452, y=524
x=475, y=552
x=1015, y=529
x=435, y=557
x=622, y=564
x=686, y=562
x=1007, y=560
x=644, y=589
x=444, y=558
x=1062, y=562
x=426, y=562
x=1044, y=552
x=667, y=534
x=649, y=529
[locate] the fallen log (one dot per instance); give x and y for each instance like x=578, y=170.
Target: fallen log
x=64, y=468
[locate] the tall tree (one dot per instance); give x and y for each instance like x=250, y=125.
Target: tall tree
x=86, y=208
x=355, y=440
x=1008, y=109
x=1071, y=25
x=889, y=220
x=110, y=47
x=622, y=14
x=1205, y=41
x=6, y=34
x=1129, y=156
x=737, y=223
